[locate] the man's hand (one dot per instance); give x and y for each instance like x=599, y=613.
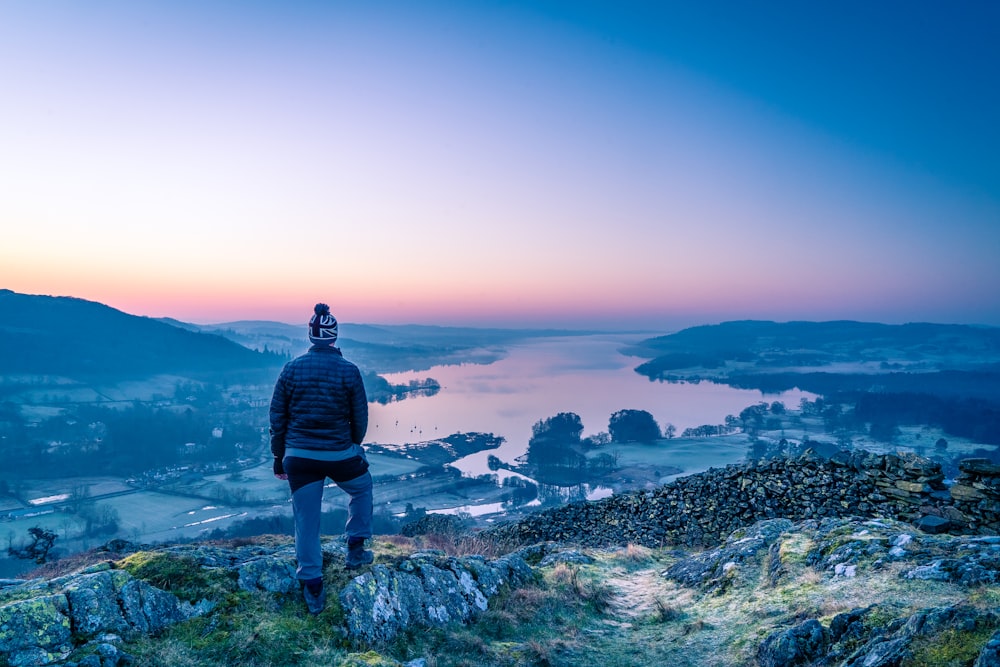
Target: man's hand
x=283, y=476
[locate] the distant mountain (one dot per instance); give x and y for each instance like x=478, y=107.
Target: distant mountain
x=917, y=346
x=82, y=339
x=383, y=348
x=947, y=361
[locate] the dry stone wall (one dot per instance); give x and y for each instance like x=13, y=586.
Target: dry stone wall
x=702, y=509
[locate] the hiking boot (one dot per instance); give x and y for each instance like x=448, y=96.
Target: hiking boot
x=315, y=595
x=357, y=555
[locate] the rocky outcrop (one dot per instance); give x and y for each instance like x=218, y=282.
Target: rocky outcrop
x=42, y=621
x=851, y=642
x=424, y=590
x=712, y=569
x=858, y=548
x=700, y=510
x=845, y=548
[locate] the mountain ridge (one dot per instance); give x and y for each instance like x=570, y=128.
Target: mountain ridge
x=73, y=337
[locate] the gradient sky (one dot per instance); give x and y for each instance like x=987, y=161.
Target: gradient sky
x=582, y=164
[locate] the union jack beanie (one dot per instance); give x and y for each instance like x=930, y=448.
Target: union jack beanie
x=322, y=326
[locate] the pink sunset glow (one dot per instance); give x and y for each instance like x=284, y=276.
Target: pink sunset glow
x=618, y=169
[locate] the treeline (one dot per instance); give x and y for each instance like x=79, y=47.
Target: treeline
x=818, y=342
x=557, y=452
x=983, y=384
x=95, y=440
x=974, y=419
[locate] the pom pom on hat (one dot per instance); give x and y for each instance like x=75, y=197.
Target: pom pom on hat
x=322, y=326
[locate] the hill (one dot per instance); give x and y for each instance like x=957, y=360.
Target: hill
x=944, y=361
x=70, y=337
x=862, y=346
x=833, y=590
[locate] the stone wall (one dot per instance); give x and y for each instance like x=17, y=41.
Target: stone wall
x=702, y=509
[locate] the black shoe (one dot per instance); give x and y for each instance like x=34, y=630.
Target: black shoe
x=315, y=595
x=358, y=556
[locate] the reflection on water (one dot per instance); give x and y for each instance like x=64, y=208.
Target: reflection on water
x=547, y=495
x=540, y=378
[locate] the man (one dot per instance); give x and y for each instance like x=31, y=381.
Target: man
x=319, y=416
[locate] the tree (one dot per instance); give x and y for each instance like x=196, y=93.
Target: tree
x=669, y=430
x=554, y=441
x=38, y=550
x=604, y=462
x=598, y=439
x=564, y=426
x=752, y=417
x=633, y=426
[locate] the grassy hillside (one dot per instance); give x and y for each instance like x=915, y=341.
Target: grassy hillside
x=839, y=592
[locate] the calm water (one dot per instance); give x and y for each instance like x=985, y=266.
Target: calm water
x=543, y=377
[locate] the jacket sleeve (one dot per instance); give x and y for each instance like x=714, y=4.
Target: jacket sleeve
x=279, y=417
x=359, y=410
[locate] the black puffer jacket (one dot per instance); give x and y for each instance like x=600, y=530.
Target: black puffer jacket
x=319, y=402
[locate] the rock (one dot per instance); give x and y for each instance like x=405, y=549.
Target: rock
x=976, y=568
x=932, y=524
x=570, y=556
x=896, y=648
x=444, y=598
x=36, y=631
x=149, y=609
x=846, y=571
x=93, y=604
x=268, y=573
x=902, y=540
x=990, y=655
x=425, y=590
x=849, y=625
x=710, y=569
x=931, y=571
x=913, y=487
x=980, y=466
x=111, y=656
x=889, y=653
x=800, y=645
x=381, y=603
x=965, y=492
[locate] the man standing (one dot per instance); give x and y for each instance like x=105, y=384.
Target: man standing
x=319, y=416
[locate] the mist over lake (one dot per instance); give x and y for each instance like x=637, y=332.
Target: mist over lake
x=541, y=377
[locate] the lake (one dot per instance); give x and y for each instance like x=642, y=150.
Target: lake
x=542, y=377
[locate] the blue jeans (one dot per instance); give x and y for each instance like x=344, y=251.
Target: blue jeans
x=306, y=478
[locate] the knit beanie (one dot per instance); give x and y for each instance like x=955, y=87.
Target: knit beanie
x=322, y=326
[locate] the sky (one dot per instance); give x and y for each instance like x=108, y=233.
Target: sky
x=597, y=165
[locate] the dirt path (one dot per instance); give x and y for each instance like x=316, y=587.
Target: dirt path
x=641, y=594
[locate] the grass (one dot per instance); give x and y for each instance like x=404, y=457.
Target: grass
x=951, y=648
x=178, y=574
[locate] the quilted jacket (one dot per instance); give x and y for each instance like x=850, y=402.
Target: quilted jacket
x=319, y=402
